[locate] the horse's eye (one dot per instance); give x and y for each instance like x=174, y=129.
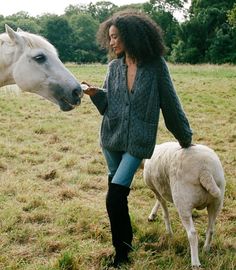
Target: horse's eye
x=40, y=58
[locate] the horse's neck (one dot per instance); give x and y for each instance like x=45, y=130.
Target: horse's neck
x=6, y=77
x=6, y=66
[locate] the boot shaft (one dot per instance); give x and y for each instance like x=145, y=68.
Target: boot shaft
x=118, y=212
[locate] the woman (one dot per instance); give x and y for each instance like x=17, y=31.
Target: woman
x=136, y=87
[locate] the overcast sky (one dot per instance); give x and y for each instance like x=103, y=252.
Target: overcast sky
x=38, y=7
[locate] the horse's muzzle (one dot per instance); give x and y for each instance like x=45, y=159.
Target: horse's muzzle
x=68, y=103
x=77, y=93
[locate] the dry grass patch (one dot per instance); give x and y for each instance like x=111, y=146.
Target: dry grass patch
x=53, y=180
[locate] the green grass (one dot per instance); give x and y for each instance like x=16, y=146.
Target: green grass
x=53, y=180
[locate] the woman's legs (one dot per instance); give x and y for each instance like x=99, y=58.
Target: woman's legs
x=122, y=167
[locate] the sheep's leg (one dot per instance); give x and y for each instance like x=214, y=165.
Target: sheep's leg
x=153, y=213
x=165, y=212
x=192, y=238
x=166, y=217
x=213, y=211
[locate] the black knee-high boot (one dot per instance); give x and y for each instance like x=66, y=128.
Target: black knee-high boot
x=109, y=179
x=121, y=229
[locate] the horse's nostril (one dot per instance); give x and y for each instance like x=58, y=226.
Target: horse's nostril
x=77, y=93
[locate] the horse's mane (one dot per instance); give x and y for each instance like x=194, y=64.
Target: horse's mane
x=32, y=40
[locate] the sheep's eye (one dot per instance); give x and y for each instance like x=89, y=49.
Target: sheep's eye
x=40, y=58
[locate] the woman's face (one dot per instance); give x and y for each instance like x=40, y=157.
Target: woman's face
x=115, y=41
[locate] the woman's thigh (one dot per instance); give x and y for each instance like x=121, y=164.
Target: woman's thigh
x=122, y=166
x=113, y=159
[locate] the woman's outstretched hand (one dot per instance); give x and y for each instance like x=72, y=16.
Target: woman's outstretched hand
x=88, y=89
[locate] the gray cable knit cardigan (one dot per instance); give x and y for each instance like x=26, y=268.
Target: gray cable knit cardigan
x=130, y=118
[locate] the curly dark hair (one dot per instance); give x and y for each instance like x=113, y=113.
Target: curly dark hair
x=141, y=36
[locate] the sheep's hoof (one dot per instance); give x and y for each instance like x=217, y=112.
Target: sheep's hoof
x=197, y=267
x=152, y=218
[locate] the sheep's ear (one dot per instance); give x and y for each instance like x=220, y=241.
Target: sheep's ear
x=15, y=38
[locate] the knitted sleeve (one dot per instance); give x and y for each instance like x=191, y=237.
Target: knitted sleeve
x=173, y=113
x=100, y=98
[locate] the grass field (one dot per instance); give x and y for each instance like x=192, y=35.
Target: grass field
x=53, y=180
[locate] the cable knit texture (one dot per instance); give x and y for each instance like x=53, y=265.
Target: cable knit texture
x=130, y=118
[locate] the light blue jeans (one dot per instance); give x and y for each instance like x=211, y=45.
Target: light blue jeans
x=121, y=166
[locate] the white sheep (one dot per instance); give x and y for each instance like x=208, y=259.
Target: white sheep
x=190, y=178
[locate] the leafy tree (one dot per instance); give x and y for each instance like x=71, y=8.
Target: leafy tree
x=167, y=5
x=101, y=10
x=84, y=28
x=12, y=24
x=209, y=34
x=169, y=25
x=197, y=6
x=205, y=37
x=58, y=31
x=165, y=20
x=191, y=46
x=22, y=20
x=75, y=10
x=232, y=16
x=183, y=54
x=223, y=47
x=18, y=15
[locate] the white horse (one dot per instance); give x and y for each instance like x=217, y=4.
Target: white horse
x=32, y=63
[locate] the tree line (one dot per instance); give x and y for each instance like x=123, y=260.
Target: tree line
x=208, y=34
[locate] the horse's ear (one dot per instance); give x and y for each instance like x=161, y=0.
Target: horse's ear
x=16, y=38
x=19, y=29
x=8, y=29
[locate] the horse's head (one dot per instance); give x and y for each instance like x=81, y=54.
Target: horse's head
x=33, y=65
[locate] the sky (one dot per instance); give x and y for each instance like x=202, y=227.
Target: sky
x=38, y=7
